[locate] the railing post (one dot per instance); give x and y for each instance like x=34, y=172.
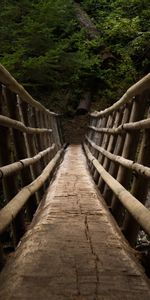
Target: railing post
x=129, y=151
x=107, y=193
x=99, y=142
x=10, y=184
x=59, y=125
x=43, y=136
x=55, y=132
x=105, y=145
x=139, y=188
x=96, y=138
x=25, y=173
x=110, y=148
x=39, y=137
x=30, y=143
x=50, y=140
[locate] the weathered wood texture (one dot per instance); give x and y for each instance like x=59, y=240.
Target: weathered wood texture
x=123, y=149
x=140, y=213
x=29, y=151
x=73, y=249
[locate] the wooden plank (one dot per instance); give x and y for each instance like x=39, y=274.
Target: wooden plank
x=73, y=249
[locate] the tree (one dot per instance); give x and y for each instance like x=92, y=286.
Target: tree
x=46, y=49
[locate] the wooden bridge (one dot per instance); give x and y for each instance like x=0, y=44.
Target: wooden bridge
x=68, y=232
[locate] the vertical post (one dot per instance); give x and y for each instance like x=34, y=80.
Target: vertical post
x=30, y=144
x=100, y=141
x=129, y=151
x=111, y=145
x=44, y=136
x=10, y=184
x=59, y=125
x=96, y=138
x=105, y=145
x=26, y=176
x=139, y=188
x=107, y=193
x=55, y=132
x=49, y=136
x=20, y=149
x=39, y=137
x=93, y=122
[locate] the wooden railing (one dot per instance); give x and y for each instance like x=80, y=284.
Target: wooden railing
x=117, y=146
x=30, y=147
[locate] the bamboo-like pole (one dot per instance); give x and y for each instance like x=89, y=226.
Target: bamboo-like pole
x=140, y=213
x=139, y=189
x=104, y=144
x=97, y=138
x=39, y=137
x=9, y=212
x=11, y=123
x=8, y=184
x=14, y=86
x=55, y=132
x=16, y=139
x=135, y=90
x=23, y=163
x=44, y=145
x=99, y=141
x=122, y=129
x=129, y=151
x=59, y=125
x=29, y=144
x=110, y=147
x=113, y=168
x=91, y=134
x=112, y=143
x=44, y=137
x=129, y=164
x=49, y=138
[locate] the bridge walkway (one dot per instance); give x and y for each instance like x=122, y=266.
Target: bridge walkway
x=73, y=248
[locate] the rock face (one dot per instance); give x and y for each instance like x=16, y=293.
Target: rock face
x=73, y=249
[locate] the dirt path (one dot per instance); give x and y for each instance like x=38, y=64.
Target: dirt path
x=73, y=249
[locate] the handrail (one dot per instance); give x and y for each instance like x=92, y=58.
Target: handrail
x=9, y=212
x=23, y=163
x=137, y=210
x=8, y=122
x=31, y=146
x=144, y=124
x=136, y=89
x=14, y=86
x=130, y=164
x=118, y=139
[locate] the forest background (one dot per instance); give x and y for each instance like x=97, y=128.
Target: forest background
x=47, y=49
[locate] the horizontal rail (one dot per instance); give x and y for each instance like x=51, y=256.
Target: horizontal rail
x=9, y=212
x=14, y=86
x=129, y=164
x=138, y=211
x=133, y=91
x=144, y=124
x=23, y=163
x=11, y=123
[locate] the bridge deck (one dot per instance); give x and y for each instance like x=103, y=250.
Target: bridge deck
x=73, y=249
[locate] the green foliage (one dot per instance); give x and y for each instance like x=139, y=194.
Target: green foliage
x=44, y=47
